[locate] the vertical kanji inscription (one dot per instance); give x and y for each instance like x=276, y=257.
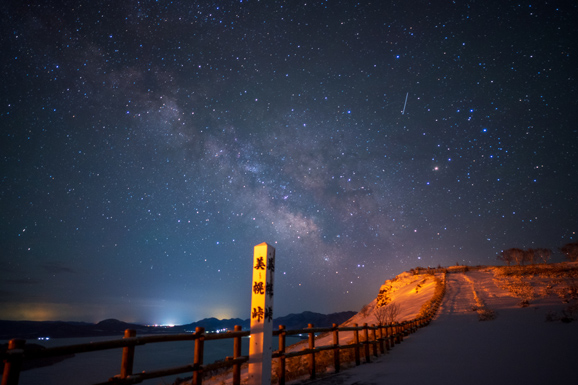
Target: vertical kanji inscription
x=260, y=350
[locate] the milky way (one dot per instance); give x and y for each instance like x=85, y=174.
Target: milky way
x=148, y=146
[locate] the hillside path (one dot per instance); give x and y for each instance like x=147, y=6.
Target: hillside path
x=516, y=347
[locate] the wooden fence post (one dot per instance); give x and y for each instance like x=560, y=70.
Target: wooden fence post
x=336, y=362
x=381, y=341
x=374, y=339
x=366, y=342
x=127, y=355
x=13, y=364
x=282, y=336
x=391, y=335
x=356, y=343
x=236, y=354
x=384, y=338
x=199, y=353
x=312, y=357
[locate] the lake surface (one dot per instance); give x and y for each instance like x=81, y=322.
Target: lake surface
x=95, y=367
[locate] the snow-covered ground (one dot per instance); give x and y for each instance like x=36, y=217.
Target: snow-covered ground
x=517, y=345
x=495, y=326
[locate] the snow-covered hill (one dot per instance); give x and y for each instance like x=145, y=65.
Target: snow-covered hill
x=496, y=326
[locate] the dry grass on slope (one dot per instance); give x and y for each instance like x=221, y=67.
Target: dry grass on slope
x=540, y=281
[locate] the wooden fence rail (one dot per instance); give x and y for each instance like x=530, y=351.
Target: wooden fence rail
x=383, y=337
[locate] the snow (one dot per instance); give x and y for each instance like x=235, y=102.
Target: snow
x=483, y=333
x=517, y=346
x=403, y=293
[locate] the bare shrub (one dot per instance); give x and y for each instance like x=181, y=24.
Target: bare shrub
x=484, y=313
x=387, y=314
x=524, y=303
x=366, y=310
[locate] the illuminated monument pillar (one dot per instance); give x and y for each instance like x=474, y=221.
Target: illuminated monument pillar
x=260, y=350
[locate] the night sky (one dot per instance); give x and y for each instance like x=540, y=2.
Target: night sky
x=147, y=146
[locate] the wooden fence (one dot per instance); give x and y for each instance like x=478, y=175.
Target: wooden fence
x=377, y=338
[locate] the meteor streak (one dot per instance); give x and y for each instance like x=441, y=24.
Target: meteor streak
x=404, y=104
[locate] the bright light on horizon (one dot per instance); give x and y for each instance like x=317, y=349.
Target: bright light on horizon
x=163, y=325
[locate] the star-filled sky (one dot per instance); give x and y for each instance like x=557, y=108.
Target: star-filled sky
x=147, y=146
